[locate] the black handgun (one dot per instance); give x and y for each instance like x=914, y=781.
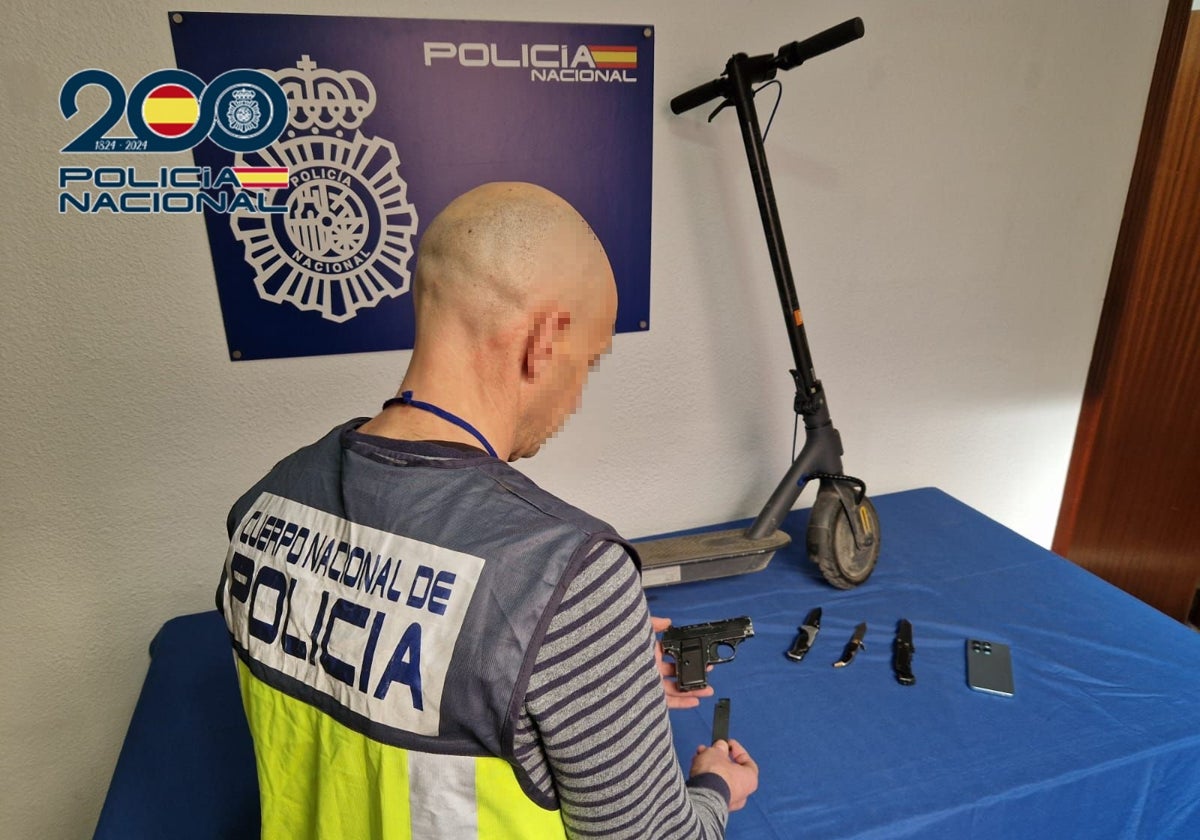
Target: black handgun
x=695, y=646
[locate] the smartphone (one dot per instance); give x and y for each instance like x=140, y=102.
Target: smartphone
x=989, y=667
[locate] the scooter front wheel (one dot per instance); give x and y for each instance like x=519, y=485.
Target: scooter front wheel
x=831, y=544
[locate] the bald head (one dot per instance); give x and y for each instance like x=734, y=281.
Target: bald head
x=500, y=251
x=515, y=303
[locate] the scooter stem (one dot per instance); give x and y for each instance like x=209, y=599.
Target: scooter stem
x=742, y=72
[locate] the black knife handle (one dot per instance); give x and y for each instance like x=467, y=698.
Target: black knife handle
x=848, y=653
x=902, y=654
x=853, y=646
x=806, y=634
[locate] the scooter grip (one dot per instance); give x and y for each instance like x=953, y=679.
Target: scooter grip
x=793, y=54
x=697, y=96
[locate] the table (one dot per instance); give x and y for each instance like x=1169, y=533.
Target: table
x=1101, y=740
x=186, y=770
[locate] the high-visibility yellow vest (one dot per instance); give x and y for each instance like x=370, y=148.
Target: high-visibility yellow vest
x=321, y=780
x=386, y=603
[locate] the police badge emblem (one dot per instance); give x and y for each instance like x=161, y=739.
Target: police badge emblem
x=243, y=114
x=345, y=242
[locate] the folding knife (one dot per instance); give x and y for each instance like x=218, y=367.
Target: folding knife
x=852, y=646
x=806, y=634
x=903, y=653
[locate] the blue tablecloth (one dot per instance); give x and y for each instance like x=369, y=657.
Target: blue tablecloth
x=1101, y=740
x=186, y=769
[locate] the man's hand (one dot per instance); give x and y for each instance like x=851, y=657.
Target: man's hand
x=676, y=699
x=732, y=763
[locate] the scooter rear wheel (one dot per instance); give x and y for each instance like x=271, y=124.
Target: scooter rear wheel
x=831, y=545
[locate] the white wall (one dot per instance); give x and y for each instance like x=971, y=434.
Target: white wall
x=951, y=186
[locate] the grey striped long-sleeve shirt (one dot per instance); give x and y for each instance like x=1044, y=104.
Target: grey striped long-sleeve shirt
x=594, y=729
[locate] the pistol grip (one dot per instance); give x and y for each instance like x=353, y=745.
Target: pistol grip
x=690, y=665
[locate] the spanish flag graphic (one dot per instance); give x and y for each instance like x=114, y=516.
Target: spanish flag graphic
x=261, y=177
x=170, y=110
x=614, y=58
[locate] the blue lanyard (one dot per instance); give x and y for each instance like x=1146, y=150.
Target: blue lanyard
x=405, y=398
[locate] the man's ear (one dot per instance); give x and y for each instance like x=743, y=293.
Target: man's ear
x=541, y=344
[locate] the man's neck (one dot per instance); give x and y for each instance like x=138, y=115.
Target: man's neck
x=464, y=399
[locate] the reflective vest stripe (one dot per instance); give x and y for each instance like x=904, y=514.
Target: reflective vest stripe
x=319, y=779
x=441, y=796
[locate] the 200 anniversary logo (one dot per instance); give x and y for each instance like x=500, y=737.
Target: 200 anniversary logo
x=171, y=110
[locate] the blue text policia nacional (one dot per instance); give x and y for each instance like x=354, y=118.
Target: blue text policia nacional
x=172, y=189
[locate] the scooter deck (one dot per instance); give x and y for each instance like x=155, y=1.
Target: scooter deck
x=712, y=554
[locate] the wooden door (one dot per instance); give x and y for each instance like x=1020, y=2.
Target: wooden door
x=1131, y=508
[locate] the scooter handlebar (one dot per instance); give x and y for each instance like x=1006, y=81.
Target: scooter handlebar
x=698, y=95
x=796, y=53
x=764, y=67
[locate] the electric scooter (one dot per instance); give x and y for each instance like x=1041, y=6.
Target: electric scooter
x=843, y=530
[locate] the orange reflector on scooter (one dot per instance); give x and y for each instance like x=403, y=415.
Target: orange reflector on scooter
x=798, y=317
